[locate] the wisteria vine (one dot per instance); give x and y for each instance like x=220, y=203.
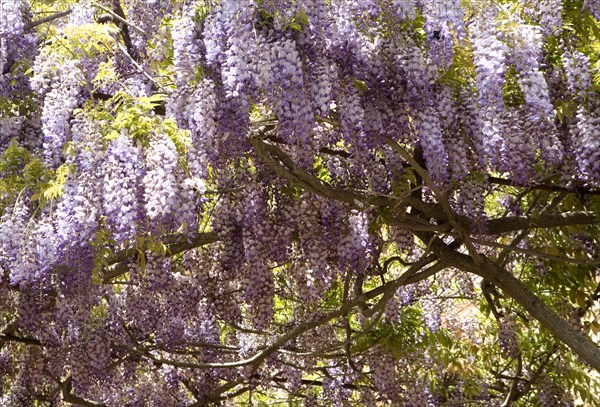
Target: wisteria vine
x=314, y=202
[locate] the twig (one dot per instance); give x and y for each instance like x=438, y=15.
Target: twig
x=439, y=193
x=514, y=387
x=389, y=289
x=590, y=301
x=117, y=264
x=121, y=19
x=29, y=26
x=140, y=69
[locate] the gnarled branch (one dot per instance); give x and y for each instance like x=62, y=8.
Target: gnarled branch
x=561, y=329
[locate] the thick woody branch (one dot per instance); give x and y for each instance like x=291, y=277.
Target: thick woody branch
x=8, y=334
x=581, y=345
x=215, y=395
x=123, y=27
x=283, y=165
x=69, y=397
x=544, y=187
x=511, y=224
x=534, y=253
x=19, y=339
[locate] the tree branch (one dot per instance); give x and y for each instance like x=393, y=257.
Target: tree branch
x=120, y=17
x=283, y=166
x=118, y=264
x=140, y=69
x=581, y=345
x=533, y=253
x=69, y=397
x=123, y=26
x=511, y=224
x=14, y=338
x=29, y=26
x=255, y=361
x=544, y=187
x=514, y=386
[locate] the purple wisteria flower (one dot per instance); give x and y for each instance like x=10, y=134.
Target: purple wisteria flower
x=169, y=202
x=121, y=201
x=11, y=19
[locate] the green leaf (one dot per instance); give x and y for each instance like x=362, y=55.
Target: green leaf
x=295, y=26
x=361, y=85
